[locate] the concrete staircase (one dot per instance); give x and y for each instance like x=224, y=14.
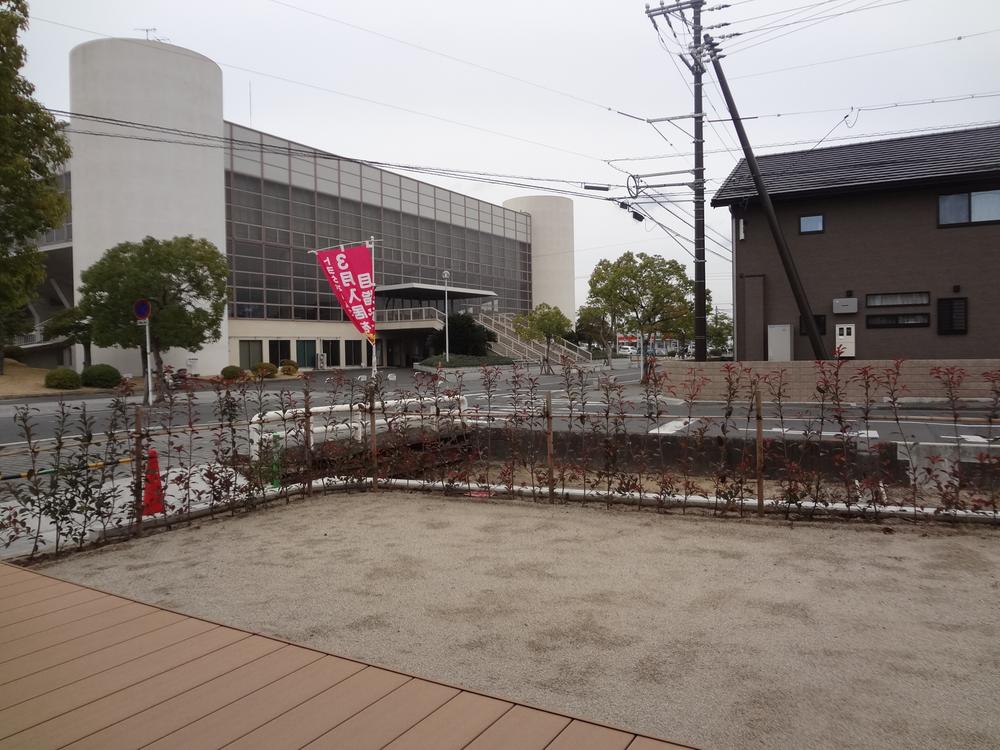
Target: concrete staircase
x=510, y=344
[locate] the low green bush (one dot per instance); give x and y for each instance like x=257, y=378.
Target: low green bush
x=100, y=376
x=231, y=372
x=62, y=378
x=265, y=370
x=289, y=367
x=13, y=352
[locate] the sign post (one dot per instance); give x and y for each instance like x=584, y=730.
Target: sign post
x=142, y=310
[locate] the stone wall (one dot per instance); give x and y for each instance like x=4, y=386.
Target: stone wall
x=801, y=377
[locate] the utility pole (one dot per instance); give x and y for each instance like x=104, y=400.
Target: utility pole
x=791, y=272
x=697, y=68
x=700, y=318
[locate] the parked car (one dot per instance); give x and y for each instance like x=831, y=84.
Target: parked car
x=627, y=349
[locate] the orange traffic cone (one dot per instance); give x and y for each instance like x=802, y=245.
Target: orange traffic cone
x=152, y=492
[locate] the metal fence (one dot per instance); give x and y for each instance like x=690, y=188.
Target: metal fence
x=238, y=445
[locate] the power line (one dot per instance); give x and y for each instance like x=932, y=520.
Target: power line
x=460, y=60
x=357, y=97
x=833, y=60
x=934, y=128
x=204, y=140
x=811, y=20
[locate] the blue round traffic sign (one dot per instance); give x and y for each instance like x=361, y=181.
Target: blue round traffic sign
x=142, y=309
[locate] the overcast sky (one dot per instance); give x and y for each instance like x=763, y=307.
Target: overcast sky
x=590, y=54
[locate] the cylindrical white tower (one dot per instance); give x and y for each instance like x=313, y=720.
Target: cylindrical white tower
x=552, y=250
x=125, y=188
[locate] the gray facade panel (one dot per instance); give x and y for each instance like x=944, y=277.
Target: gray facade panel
x=283, y=200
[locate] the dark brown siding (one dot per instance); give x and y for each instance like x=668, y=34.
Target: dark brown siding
x=878, y=242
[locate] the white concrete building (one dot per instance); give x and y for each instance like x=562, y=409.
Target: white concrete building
x=152, y=155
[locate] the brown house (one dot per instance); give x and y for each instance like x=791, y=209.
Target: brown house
x=897, y=243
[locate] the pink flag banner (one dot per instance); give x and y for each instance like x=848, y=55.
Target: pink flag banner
x=349, y=271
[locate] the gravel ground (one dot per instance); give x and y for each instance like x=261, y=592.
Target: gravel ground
x=716, y=633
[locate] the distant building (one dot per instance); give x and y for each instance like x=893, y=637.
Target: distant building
x=897, y=243
x=266, y=202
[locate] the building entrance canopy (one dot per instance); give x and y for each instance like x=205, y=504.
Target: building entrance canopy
x=415, y=291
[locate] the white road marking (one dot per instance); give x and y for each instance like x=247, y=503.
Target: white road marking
x=671, y=427
x=966, y=438
x=860, y=434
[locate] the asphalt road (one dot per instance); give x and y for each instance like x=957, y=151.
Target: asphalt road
x=930, y=423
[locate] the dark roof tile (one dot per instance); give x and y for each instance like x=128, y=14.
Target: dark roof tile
x=855, y=166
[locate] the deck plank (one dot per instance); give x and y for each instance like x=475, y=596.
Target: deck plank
x=387, y=718
x=454, y=725
x=62, y=699
x=256, y=709
x=68, y=635
x=152, y=633
x=153, y=723
x=523, y=728
x=55, y=604
x=85, y=670
x=580, y=735
x=647, y=743
x=39, y=594
x=49, y=620
x=116, y=707
x=311, y=719
x=22, y=585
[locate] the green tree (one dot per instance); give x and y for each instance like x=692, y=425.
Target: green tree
x=720, y=331
x=645, y=293
x=73, y=326
x=32, y=149
x=544, y=323
x=593, y=324
x=465, y=336
x=184, y=280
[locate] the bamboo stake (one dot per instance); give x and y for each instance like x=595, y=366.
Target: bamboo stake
x=760, y=453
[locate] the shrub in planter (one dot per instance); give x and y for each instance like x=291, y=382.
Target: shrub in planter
x=100, y=376
x=265, y=370
x=62, y=378
x=231, y=372
x=289, y=367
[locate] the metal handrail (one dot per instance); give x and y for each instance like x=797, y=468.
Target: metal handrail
x=407, y=314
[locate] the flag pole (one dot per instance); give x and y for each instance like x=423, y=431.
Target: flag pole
x=371, y=246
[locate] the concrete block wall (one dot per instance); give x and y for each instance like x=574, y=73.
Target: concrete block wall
x=801, y=377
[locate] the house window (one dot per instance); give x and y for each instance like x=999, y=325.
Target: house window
x=811, y=224
x=969, y=208
x=898, y=299
x=899, y=320
x=820, y=324
x=953, y=316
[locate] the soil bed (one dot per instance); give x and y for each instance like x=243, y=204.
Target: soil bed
x=717, y=633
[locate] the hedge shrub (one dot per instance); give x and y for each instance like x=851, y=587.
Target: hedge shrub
x=231, y=372
x=289, y=367
x=62, y=378
x=100, y=376
x=13, y=352
x=265, y=370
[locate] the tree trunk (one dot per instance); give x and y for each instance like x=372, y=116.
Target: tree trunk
x=2, y=361
x=160, y=381
x=86, y=354
x=145, y=373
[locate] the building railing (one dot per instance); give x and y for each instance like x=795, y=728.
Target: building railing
x=35, y=336
x=503, y=325
x=408, y=314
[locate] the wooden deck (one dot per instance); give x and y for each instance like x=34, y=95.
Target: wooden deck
x=83, y=669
